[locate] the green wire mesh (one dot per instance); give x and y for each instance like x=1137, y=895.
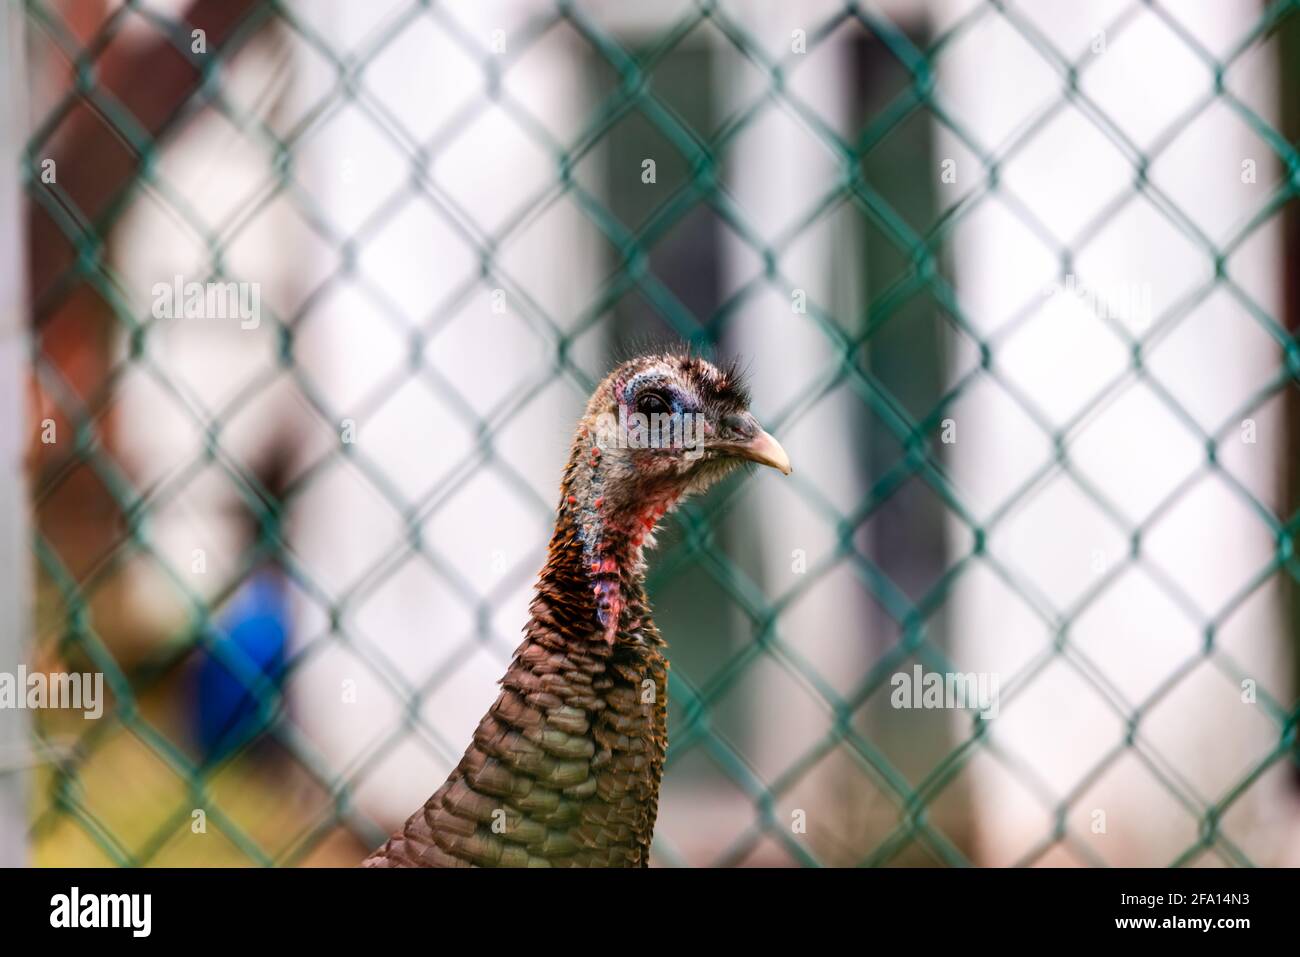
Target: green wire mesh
x=65, y=786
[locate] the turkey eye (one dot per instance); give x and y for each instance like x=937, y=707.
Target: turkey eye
x=651, y=403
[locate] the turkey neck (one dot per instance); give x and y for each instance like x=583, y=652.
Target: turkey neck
x=564, y=768
x=591, y=596
x=606, y=518
x=600, y=699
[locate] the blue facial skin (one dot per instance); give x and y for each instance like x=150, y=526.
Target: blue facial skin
x=678, y=401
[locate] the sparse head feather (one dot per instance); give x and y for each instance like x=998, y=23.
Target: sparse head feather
x=704, y=386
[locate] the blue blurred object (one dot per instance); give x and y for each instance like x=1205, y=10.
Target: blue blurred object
x=252, y=634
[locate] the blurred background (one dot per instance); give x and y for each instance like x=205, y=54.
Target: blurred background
x=1017, y=286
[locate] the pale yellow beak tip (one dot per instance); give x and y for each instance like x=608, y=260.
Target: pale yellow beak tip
x=765, y=450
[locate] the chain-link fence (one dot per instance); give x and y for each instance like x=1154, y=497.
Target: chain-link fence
x=809, y=185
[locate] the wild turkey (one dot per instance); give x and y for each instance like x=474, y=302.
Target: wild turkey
x=564, y=769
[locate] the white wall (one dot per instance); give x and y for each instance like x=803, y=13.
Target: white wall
x=1207, y=544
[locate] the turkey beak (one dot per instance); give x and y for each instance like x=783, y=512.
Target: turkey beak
x=761, y=448
x=766, y=450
